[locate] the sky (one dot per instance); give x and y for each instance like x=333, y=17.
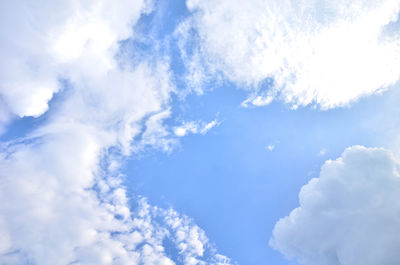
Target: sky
x=200, y=132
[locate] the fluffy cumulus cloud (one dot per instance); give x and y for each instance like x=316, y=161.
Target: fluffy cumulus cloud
x=62, y=196
x=349, y=215
x=322, y=53
x=51, y=40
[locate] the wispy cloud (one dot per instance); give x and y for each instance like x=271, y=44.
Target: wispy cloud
x=194, y=128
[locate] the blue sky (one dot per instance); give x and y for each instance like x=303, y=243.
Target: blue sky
x=199, y=132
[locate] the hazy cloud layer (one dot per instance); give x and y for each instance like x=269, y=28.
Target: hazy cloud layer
x=349, y=215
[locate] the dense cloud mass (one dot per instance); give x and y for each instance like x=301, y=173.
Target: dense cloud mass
x=326, y=53
x=62, y=198
x=350, y=215
x=52, y=40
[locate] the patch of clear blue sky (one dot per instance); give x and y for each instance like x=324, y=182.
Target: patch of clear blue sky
x=227, y=180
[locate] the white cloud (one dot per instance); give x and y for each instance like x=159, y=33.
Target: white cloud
x=58, y=177
x=318, y=52
x=156, y=134
x=322, y=152
x=189, y=127
x=349, y=215
x=57, y=39
x=63, y=199
x=271, y=147
x=194, y=127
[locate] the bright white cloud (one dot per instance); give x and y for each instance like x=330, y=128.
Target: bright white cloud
x=349, y=215
x=63, y=201
x=271, y=147
x=54, y=40
x=194, y=127
x=326, y=53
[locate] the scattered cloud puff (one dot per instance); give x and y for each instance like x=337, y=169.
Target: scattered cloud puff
x=322, y=53
x=322, y=152
x=271, y=147
x=63, y=199
x=194, y=128
x=349, y=215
